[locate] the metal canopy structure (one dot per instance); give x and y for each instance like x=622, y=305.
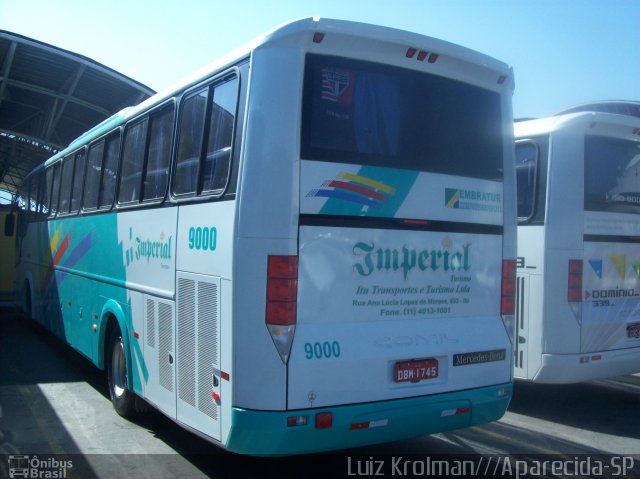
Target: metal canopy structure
x=49, y=97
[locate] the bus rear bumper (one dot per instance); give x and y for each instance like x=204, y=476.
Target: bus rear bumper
x=573, y=368
x=266, y=433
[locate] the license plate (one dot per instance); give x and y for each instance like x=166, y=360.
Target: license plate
x=415, y=370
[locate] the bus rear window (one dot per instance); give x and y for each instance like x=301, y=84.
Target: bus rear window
x=612, y=175
x=370, y=114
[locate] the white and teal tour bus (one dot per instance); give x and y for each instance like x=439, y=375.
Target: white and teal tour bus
x=308, y=245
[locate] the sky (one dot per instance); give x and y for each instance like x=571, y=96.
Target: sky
x=563, y=52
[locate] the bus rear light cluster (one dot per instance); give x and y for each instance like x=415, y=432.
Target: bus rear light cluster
x=282, y=289
x=574, y=289
x=422, y=55
x=508, y=294
x=323, y=420
x=282, y=305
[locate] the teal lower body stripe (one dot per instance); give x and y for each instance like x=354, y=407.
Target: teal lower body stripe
x=265, y=433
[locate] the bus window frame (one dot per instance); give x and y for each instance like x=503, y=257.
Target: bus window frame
x=80, y=153
x=210, y=84
x=68, y=162
x=55, y=189
x=80, y=156
x=146, y=116
x=534, y=186
x=112, y=135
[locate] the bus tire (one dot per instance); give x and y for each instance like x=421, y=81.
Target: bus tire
x=122, y=398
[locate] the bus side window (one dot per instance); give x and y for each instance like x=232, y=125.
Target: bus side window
x=526, y=173
x=218, y=158
x=45, y=200
x=65, y=184
x=158, y=155
x=207, y=119
x=109, y=171
x=55, y=190
x=132, y=163
x=94, y=173
x=78, y=181
x=191, y=130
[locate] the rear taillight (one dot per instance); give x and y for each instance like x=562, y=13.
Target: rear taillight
x=282, y=306
x=574, y=288
x=508, y=296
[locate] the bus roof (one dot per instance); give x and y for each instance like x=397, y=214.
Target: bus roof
x=581, y=119
x=620, y=107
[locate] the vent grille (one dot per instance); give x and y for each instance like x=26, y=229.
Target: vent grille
x=151, y=323
x=186, y=340
x=166, y=346
x=207, y=346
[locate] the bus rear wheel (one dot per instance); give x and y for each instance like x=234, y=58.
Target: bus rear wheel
x=122, y=398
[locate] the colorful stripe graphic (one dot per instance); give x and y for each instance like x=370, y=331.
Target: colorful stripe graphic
x=59, y=252
x=368, y=182
x=356, y=189
x=83, y=246
x=371, y=191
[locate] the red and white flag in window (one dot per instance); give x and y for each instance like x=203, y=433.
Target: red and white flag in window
x=337, y=85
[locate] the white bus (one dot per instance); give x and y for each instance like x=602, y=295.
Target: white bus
x=578, y=311
x=293, y=250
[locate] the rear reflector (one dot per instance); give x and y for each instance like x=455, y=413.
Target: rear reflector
x=455, y=412
x=324, y=420
x=369, y=424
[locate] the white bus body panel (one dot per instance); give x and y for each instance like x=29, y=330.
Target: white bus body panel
x=205, y=248
x=530, y=284
x=357, y=317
